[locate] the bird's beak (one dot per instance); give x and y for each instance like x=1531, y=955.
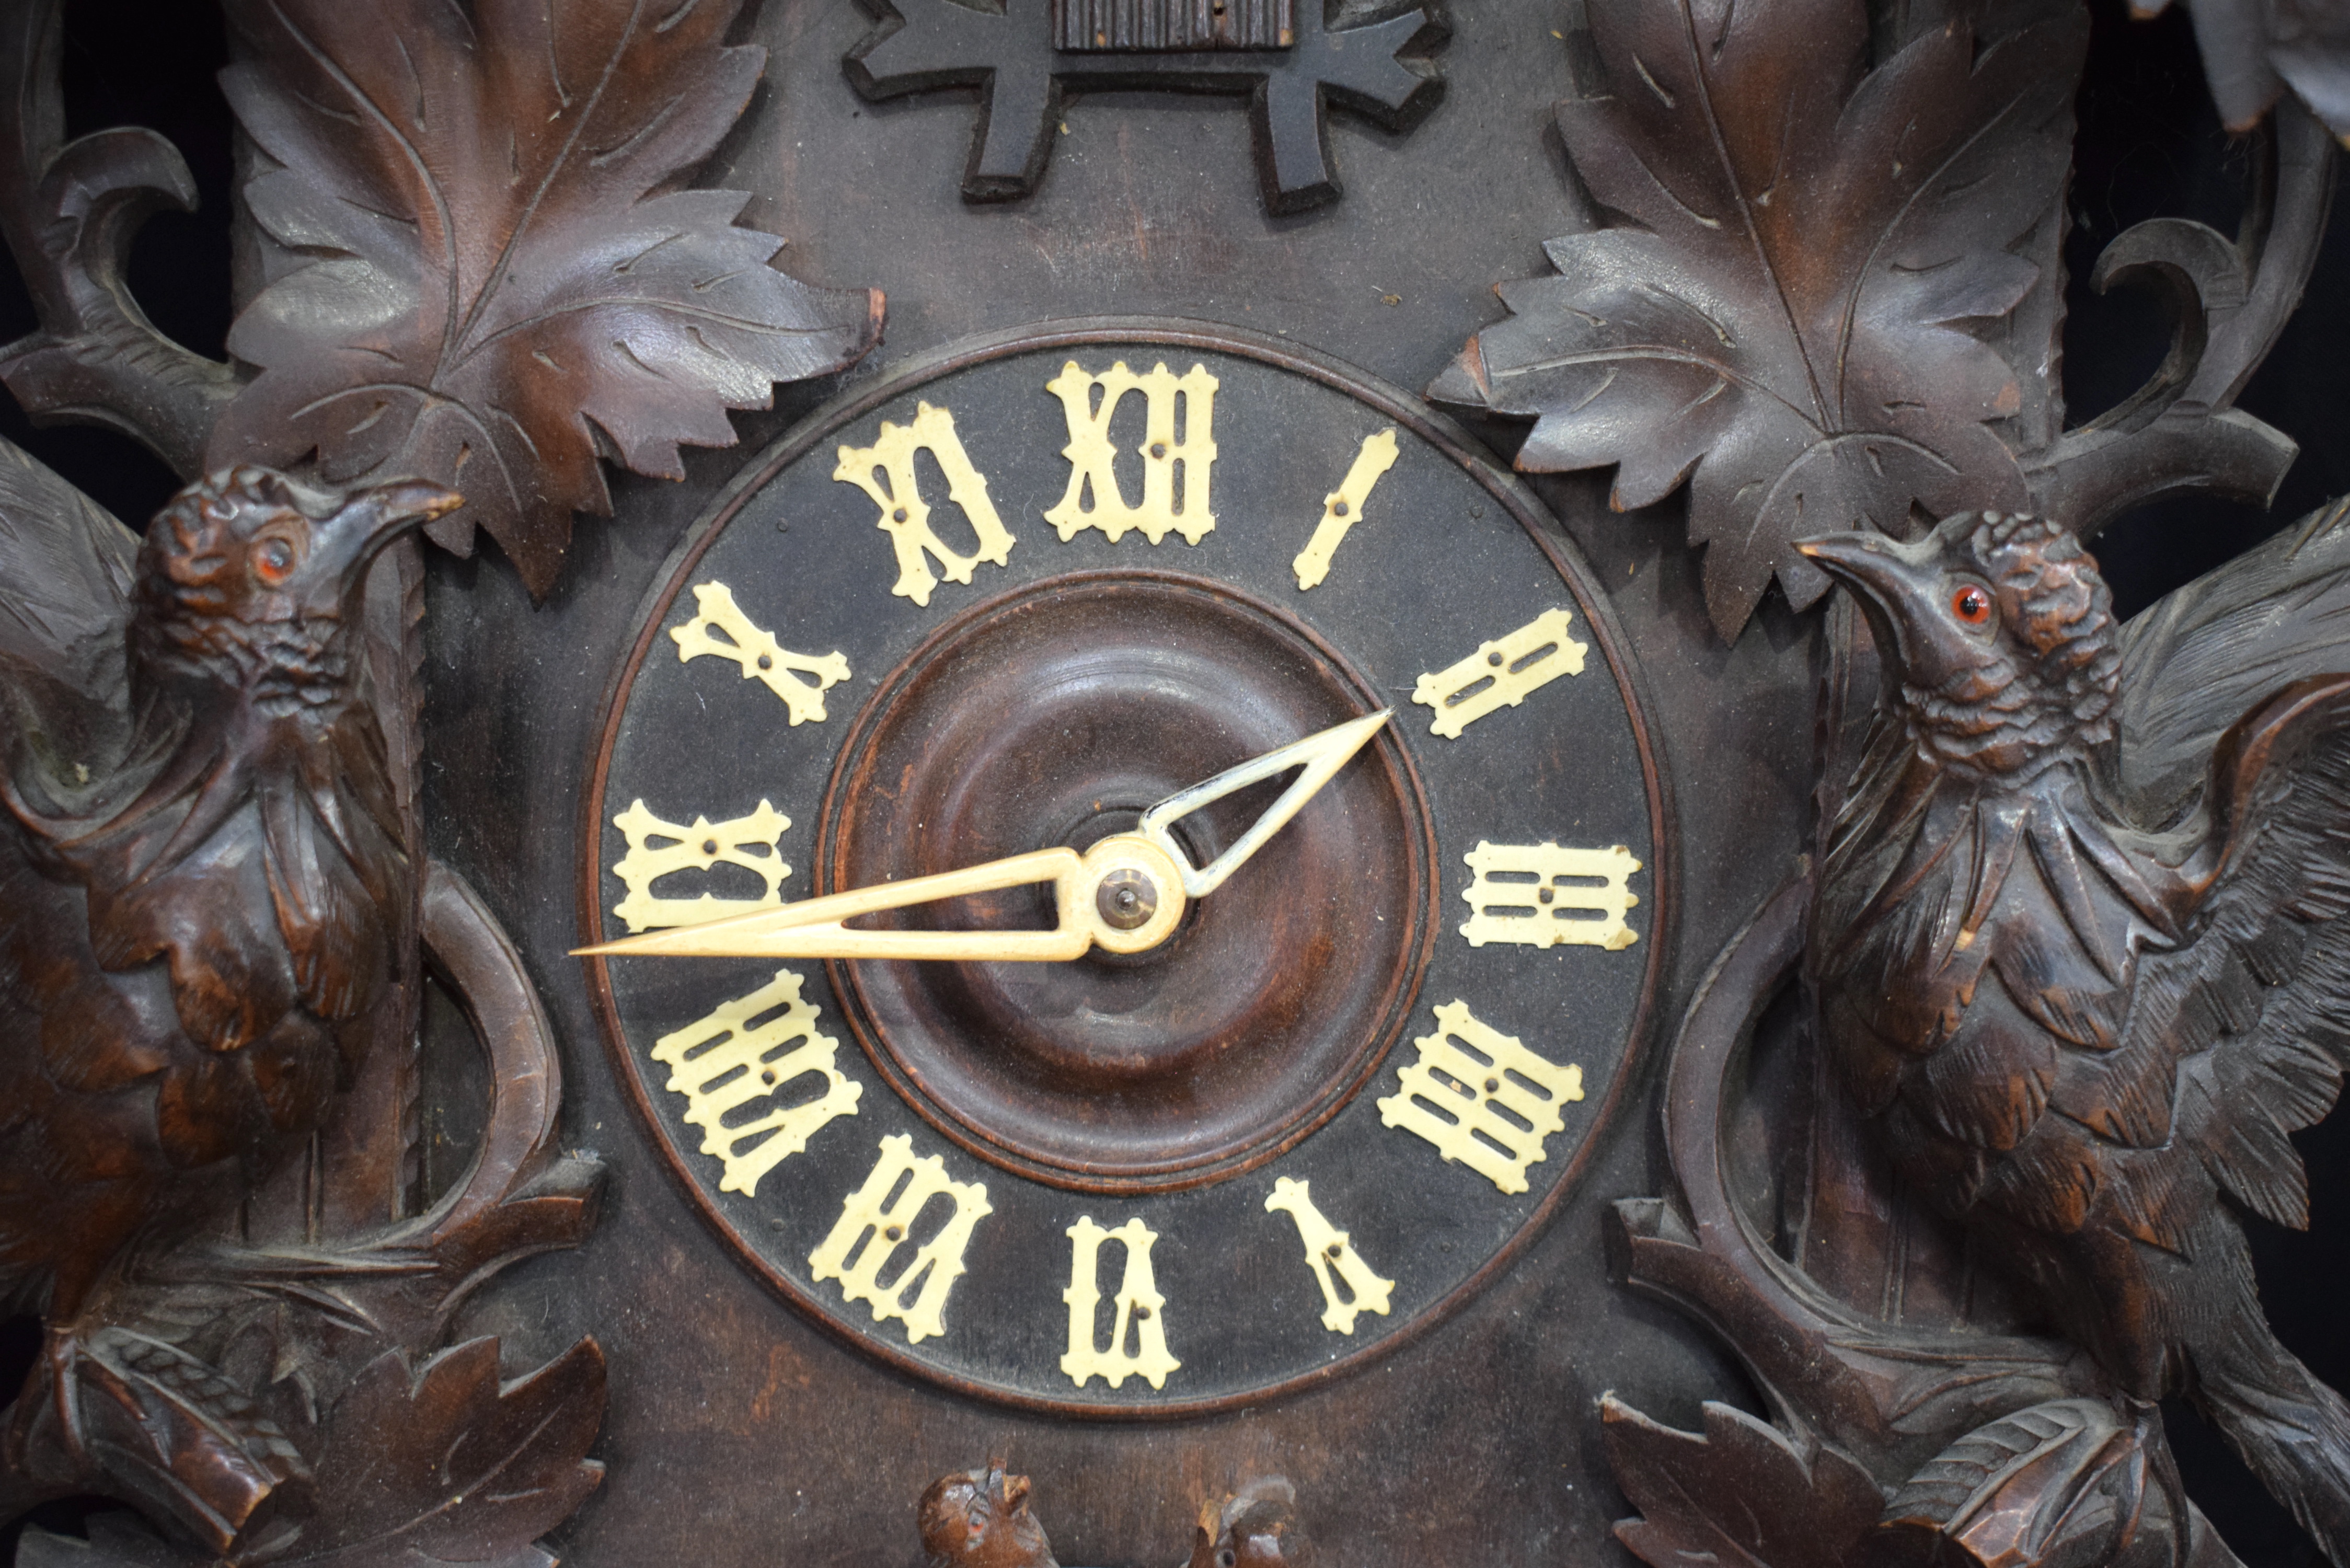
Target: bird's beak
x=1875, y=567
x=371, y=519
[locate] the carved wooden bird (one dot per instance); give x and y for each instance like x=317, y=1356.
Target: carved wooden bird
x=2079, y=949
x=980, y=1519
x=1257, y=1527
x=199, y=857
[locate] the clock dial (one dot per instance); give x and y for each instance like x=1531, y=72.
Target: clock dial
x=1005, y=604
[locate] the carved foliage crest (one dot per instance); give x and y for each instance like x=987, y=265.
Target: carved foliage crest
x=497, y=277
x=1790, y=303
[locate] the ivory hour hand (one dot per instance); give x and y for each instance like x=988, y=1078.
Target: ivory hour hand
x=1124, y=895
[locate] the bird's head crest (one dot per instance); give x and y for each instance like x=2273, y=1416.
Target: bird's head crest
x=1999, y=630
x=247, y=567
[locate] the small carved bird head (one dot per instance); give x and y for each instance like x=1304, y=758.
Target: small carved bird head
x=248, y=573
x=980, y=1519
x=1999, y=633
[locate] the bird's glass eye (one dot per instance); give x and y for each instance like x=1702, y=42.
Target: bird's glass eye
x=1971, y=602
x=273, y=560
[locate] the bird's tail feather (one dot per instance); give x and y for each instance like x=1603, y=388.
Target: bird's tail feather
x=2291, y=1429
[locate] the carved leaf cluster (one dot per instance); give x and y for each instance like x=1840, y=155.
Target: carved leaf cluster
x=1790, y=309
x=498, y=280
x=1737, y=1492
x=447, y=1464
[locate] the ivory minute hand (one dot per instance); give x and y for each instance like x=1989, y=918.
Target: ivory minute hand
x=1124, y=895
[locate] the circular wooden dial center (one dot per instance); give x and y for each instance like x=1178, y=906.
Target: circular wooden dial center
x=1054, y=715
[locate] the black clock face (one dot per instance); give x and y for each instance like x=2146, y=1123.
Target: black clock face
x=1005, y=603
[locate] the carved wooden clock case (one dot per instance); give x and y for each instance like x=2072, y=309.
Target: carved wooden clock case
x=1118, y=428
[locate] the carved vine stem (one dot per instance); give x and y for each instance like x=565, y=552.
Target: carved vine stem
x=69, y=212
x=520, y=1196
x=1990, y=1448
x=365, y=1175
x=2228, y=300
x=1890, y=1394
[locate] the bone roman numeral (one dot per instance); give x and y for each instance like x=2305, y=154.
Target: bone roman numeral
x=1343, y=507
x=657, y=849
x=1332, y=1259
x=1482, y=1098
x=1092, y=461
x=1140, y=1310
x=722, y=628
x=757, y=1048
x=885, y=472
x=1501, y=674
x=1541, y=894
x=876, y=1221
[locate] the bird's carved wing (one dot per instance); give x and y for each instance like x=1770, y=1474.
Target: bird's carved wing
x=2254, y=1004
x=2198, y=661
x=64, y=598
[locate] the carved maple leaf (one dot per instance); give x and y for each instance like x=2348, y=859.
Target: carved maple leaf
x=1787, y=315
x=449, y=1464
x=1737, y=1493
x=500, y=278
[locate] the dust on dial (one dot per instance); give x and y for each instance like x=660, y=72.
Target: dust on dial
x=1004, y=604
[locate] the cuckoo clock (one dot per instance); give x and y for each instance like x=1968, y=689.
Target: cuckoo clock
x=1000, y=782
